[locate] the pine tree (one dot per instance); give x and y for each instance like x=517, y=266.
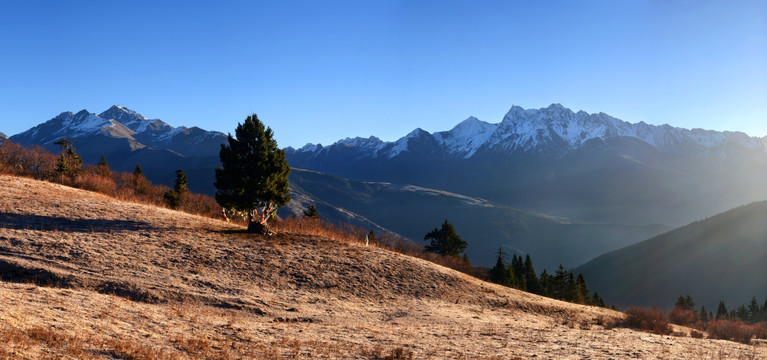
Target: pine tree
x=560, y=283
x=572, y=290
x=103, y=161
x=501, y=273
x=371, y=238
x=545, y=281
x=721, y=311
x=311, y=212
x=583, y=290
x=445, y=241
x=532, y=283
x=253, y=174
x=174, y=197
x=102, y=168
x=703, y=314
x=754, y=312
x=139, y=183
x=598, y=301
x=517, y=267
x=68, y=162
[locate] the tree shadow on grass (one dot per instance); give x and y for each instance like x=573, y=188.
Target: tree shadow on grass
x=51, y=223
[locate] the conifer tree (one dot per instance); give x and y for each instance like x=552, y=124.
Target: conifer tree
x=545, y=281
x=139, y=183
x=560, y=285
x=311, y=212
x=103, y=161
x=445, y=241
x=721, y=311
x=583, y=290
x=753, y=311
x=371, y=238
x=68, y=162
x=598, y=301
x=253, y=175
x=103, y=167
x=517, y=267
x=500, y=273
x=174, y=197
x=703, y=314
x=531, y=279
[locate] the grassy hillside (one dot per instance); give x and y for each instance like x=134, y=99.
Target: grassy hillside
x=719, y=258
x=88, y=277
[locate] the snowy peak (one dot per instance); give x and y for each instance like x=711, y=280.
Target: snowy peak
x=133, y=120
x=120, y=125
x=466, y=137
x=552, y=131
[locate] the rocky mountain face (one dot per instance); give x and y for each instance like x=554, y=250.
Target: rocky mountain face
x=592, y=167
x=127, y=138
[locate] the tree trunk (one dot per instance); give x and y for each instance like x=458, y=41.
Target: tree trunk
x=255, y=227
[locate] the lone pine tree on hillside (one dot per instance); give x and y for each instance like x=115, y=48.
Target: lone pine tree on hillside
x=253, y=174
x=173, y=197
x=445, y=241
x=68, y=163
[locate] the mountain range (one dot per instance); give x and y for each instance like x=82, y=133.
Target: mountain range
x=126, y=138
x=563, y=186
x=588, y=167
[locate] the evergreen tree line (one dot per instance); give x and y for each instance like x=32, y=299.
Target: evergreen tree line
x=562, y=285
x=751, y=313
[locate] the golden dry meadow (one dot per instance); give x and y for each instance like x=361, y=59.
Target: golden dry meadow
x=85, y=276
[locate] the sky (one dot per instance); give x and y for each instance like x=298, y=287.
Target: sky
x=320, y=71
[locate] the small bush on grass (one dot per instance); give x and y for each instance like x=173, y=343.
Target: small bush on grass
x=681, y=316
x=733, y=330
x=652, y=320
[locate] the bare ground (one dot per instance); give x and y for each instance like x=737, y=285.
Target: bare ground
x=85, y=276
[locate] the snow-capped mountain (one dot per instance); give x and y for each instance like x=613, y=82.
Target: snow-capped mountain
x=127, y=125
x=128, y=138
x=573, y=164
x=554, y=130
x=3, y=136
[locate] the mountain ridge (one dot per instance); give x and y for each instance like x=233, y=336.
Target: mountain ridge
x=526, y=129
x=718, y=258
x=553, y=160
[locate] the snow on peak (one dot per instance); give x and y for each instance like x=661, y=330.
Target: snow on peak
x=133, y=120
x=360, y=142
x=81, y=123
x=401, y=145
x=466, y=137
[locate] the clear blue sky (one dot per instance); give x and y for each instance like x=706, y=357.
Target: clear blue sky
x=318, y=71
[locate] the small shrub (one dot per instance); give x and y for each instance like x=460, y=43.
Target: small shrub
x=681, y=316
x=652, y=320
x=696, y=334
x=400, y=354
x=733, y=330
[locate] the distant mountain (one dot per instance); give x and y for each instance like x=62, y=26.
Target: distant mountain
x=592, y=167
x=127, y=138
x=3, y=137
x=412, y=211
x=719, y=258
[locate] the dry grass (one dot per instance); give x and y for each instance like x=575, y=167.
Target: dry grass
x=88, y=277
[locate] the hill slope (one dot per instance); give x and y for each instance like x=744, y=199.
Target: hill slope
x=412, y=211
x=85, y=276
x=719, y=258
